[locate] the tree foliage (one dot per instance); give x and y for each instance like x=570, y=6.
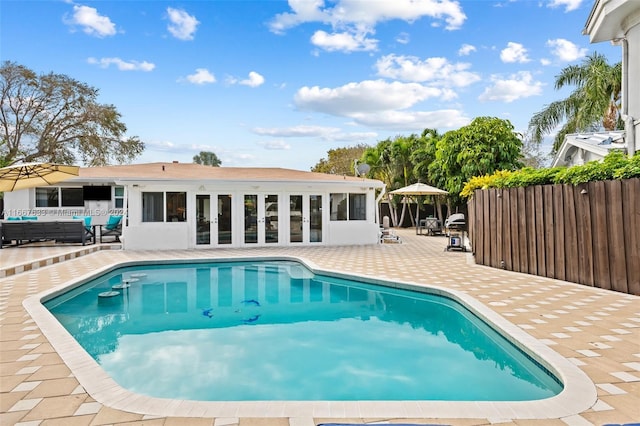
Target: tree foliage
x=207, y=158
x=593, y=105
x=484, y=146
x=55, y=118
x=340, y=161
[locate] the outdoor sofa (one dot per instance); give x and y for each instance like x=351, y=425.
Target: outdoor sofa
x=19, y=232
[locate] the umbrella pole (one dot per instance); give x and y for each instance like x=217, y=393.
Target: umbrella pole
x=417, y=214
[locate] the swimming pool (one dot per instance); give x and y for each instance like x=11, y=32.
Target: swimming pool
x=248, y=317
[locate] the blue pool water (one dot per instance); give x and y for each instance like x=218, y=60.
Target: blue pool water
x=272, y=330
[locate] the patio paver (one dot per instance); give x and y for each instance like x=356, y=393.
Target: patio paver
x=598, y=330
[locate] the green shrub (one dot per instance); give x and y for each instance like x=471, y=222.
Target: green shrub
x=616, y=165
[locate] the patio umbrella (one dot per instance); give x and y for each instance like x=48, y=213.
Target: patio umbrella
x=29, y=175
x=419, y=189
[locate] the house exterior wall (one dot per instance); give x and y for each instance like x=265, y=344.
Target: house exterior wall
x=22, y=203
x=140, y=235
x=618, y=21
x=633, y=80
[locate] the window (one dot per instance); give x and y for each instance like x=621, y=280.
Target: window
x=72, y=197
x=59, y=197
x=354, y=204
x=156, y=209
x=176, y=206
x=47, y=197
x=118, y=197
x=357, y=206
x=152, y=206
x=338, y=206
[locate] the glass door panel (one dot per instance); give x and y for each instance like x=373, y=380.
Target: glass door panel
x=224, y=216
x=271, y=221
x=250, y=219
x=203, y=219
x=295, y=218
x=315, y=218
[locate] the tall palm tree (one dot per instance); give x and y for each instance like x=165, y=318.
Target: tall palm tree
x=593, y=105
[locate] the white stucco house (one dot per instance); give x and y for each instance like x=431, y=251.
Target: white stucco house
x=618, y=21
x=580, y=148
x=186, y=206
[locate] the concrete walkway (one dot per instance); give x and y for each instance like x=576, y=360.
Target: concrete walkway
x=597, y=330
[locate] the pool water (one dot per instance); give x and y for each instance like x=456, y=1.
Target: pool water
x=273, y=330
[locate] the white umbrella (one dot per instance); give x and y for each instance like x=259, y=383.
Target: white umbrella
x=29, y=175
x=419, y=189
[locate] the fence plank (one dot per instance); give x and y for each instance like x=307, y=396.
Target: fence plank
x=631, y=221
x=558, y=218
x=538, y=210
x=571, y=238
x=522, y=230
x=481, y=229
x=494, y=261
x=601, y=276
x=515, y=236
x=583, y=232
x=487, y=224
x=500, y=230
x=530, y=214
x=549, y=231
x=617, y=262
x=471, y=222
x=508, y=230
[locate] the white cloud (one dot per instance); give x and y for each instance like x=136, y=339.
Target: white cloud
x=569, y=5
x=322, y=132
x=565, y=50
x=436, y=70
x=296, y=131
x=514, y=52
x=545, y=62
x=122, y=65
x=379, y=104
x=276, y=145
x=352, y=20
x=182, y=25
x=466, y=49
x=365, y=96
x=345, y=41
x=403, y=38
x=92, y=22
x=254, y=80
x=414, y=120
x=201, y=76
x=517, y=86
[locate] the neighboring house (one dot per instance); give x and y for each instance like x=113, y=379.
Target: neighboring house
x=580, y=148
x=184, y=206
x=618, y=21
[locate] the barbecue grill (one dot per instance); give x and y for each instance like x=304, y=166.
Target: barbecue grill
x=456, y=222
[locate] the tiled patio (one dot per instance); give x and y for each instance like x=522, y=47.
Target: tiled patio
x=597, y=330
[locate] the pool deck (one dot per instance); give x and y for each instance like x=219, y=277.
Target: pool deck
x=596, y=330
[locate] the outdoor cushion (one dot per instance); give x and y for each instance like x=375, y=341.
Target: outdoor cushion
x=113, y=222
x=87, y=221
x=29, y=217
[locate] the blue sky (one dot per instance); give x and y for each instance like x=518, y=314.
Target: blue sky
x=270, y=83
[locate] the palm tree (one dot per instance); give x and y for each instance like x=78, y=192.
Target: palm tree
x=593, y=105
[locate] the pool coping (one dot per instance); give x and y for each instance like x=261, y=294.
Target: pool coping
x=578, y=395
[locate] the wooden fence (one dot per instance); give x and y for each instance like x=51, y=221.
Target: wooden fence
x=587, y=234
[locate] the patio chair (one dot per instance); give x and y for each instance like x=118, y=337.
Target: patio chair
x=90, y=232
x=113, y=227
